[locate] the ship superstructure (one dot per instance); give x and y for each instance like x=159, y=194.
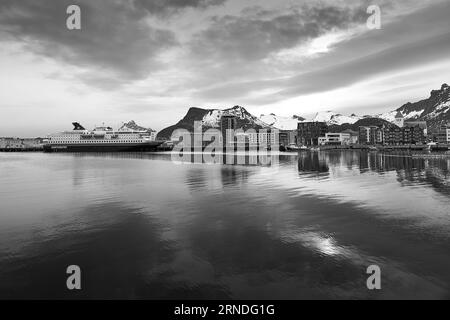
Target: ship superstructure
x=102, y=139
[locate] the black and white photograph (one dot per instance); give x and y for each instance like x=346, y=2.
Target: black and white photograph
x=225, y=154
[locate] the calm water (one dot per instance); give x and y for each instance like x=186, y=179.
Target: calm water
x=140, y=226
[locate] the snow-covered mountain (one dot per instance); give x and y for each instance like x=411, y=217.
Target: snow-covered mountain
x=210, y=118
x=291, y=123
x=281, y=123
x=434, y=110
x=133, y=126
x=332, y=118
x=390, y=116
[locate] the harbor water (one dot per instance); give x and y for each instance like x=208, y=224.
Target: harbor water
x=143, y=227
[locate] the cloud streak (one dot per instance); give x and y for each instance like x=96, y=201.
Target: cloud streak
x=115, y=42
x=167, y=7
x=401, y=46
x=165, y=55
x=253, y=37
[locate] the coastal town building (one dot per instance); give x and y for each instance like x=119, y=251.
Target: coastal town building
x=443, y=134
x=399, y=120
x=410, y=134
x=393, y=136
x=310, y=132
x=370, y=135
x=263, y=137
x=288, y=137
x=12, y=143
x=420, y=124
x=413, y=135
x=341, y=139
x=228, y=122
x=354, y=136
x=284, y=138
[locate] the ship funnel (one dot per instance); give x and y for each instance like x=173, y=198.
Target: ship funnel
x=77, y=126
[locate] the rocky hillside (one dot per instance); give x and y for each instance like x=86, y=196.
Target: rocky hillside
x=365, y=122
x=131, y=125
x=434, y=110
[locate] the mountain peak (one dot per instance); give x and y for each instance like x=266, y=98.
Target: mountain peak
x=433, y=110
x=131, y=125
x=210, y=118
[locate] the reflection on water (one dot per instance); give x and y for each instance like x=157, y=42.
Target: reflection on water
x=140, y=226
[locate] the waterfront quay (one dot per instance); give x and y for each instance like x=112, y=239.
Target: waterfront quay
x=12, y=144
x=441, y=147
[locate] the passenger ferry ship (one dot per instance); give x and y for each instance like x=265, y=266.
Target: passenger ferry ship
x=129, y=137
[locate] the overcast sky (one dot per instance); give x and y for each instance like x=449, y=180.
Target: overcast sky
x=150, y=60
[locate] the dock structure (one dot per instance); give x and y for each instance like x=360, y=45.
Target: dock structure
x=10, y=144
x=412, y=147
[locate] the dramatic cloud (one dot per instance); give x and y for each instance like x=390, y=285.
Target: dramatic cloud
x=254, y=36
x=115, y=42
x=413, y=41
x=341, y=75
x=154, y=58
x=172, y=6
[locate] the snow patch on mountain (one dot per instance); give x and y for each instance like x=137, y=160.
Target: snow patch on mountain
x=413, y=115
x=279, y=122
x=133, y=126
x=213, y=116
x=439, y=109
x=291, y=123
x=243, y=114
x=332, y=118
x=435, y=109
x=390, y=116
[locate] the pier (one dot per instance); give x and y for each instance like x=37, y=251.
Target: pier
x=12, y=144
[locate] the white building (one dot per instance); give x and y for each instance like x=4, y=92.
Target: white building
x=336, y=139
x=444, y=135
x=399, y=120
x=263, y=137
x=354, y=136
